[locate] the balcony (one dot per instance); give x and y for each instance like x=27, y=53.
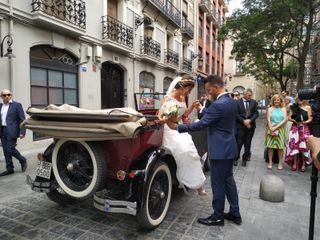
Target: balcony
x=171, y=58
x=116, y=34
x=205, y=6
x=64, y=16
x=150, y=49
x=187, y=29
x=213, y=17
x=186, y=66
x=168, y=10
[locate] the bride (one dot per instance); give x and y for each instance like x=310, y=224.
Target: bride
x=189, y=170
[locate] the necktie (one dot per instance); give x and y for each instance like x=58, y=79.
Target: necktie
x=247, y=108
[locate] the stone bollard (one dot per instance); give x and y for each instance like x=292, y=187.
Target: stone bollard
x=271, y=189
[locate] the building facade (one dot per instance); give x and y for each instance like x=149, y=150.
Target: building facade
x=211, y=15
x=236, y=80
x=97, y=54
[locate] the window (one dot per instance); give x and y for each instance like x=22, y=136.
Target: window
x=53, y=87
x=200, y=56
x=222, y=70
x=184, y=7
x=212, y=66
x=239, y=67
x=213, y=41
x=218, y=68
x=146, y=82
x=222, y=50
x=208, y=35
x=166, y=83
x=200, y=27
x=207, y=63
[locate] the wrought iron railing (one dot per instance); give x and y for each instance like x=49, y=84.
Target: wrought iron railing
x=171, y=57
x=213, y=14
x=72, y=11
x=187, y=28
x=150, y=47
x=117, y=31
x=167, y=8
x=186, y=65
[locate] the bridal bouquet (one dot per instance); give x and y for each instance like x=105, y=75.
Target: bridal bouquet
x=169, y=110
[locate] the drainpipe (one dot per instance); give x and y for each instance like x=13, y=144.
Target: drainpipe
x=133, y=55
x=11, y=73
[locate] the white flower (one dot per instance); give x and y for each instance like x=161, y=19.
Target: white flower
x=169, y=109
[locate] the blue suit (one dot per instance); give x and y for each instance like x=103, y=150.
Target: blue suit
x=220, y=119
x=11, y=132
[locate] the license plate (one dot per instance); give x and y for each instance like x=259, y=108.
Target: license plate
x=44, y=169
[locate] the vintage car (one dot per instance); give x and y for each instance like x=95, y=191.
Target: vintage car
x=112, y=155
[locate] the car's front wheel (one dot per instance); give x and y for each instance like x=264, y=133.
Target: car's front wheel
x=79, y=167
x=157, y=197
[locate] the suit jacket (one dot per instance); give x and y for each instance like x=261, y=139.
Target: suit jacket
x=15, y=116
x=254, y=114
x=220, y=118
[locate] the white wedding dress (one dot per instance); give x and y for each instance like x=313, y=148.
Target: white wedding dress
x=189, y=168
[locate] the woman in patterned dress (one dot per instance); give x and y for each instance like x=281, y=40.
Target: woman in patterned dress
x=298, y=154
x=275, y=137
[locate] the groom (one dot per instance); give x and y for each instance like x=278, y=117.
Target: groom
x=220, y=118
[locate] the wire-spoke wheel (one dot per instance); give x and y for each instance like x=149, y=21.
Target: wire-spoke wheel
x=79, y=167
x=157, y=197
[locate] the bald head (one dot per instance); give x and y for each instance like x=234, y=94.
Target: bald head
x=6, y=95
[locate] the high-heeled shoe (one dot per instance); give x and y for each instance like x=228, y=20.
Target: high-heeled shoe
x=303, y=169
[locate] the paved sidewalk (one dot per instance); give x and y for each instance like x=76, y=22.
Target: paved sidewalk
x=28, y=215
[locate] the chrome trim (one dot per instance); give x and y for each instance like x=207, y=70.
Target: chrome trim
x=114, y=206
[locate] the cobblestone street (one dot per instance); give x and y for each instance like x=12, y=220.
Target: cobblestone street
x=28, y=215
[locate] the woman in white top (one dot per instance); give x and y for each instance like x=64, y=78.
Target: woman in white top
x=189, y=169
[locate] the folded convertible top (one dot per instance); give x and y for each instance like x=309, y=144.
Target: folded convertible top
x=70, y=122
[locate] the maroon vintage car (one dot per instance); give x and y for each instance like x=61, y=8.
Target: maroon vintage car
x=126, y=171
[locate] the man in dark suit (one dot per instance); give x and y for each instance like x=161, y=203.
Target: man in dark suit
x=205, y=103
x=246, y=124
x=11, y=116
x=219, y=119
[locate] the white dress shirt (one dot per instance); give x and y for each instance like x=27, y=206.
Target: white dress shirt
x=4, y=112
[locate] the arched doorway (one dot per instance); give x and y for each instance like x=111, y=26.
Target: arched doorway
x=112, y=86
x=53, y=77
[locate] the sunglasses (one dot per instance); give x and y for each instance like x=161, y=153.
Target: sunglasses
x=236, y=94
x=6, y=95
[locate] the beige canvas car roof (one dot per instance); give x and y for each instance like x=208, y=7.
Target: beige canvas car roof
x=74, y=123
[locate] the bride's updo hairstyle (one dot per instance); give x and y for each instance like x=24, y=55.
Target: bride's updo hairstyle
x=186, y=81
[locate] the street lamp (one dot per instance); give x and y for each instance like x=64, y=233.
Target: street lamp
x=9, y=53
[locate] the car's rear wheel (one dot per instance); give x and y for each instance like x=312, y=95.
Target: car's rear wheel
x=79, y=167
x=157, y=197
